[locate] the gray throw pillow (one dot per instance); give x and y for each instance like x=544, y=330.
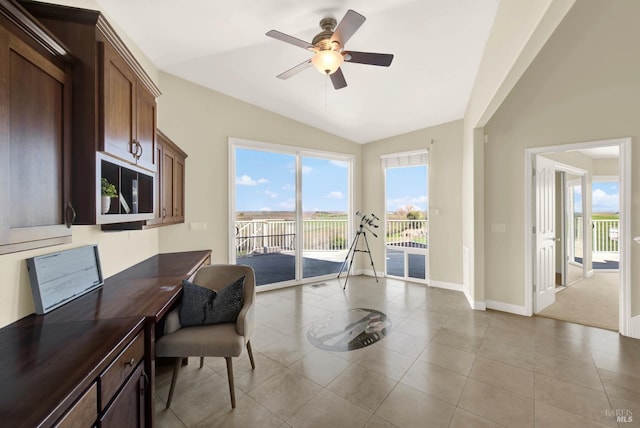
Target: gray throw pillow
x=227, y=303
x=196, y=301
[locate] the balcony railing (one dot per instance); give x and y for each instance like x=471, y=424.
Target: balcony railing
x=407, y=233
x=604, y=234
x=274, y=236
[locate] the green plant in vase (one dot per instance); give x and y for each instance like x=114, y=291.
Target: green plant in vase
x=108, y=191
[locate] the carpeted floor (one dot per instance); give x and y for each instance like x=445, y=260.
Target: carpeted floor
x=592, y=301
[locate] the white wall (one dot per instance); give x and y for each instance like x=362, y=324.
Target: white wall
x=583, y=86
x=445, y=164
x=200, y=121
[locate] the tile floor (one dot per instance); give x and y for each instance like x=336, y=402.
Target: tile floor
x=442, y=365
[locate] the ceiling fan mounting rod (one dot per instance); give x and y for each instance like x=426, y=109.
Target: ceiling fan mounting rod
x=322, y=40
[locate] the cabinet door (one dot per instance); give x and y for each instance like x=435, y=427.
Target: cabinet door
x=34, y=147
x=127, y=409
x=178, y=189
x=118, y=105
x=168, y=171
x=145, y=128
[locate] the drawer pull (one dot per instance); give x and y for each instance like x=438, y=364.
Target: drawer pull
x=130, y=363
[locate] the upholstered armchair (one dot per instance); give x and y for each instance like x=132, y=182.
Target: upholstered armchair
x=225, y=339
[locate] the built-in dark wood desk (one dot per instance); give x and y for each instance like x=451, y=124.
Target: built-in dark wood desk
x=47, y=361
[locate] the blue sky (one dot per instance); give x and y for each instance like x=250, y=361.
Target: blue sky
x=265, y=181
x=605, y=197
x=407, y=187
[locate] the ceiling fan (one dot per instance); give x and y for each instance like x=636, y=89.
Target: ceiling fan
x=328, y=46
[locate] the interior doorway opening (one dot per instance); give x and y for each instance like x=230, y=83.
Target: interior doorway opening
x=579, y=250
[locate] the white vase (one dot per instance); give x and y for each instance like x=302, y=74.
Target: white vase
x=106, y=203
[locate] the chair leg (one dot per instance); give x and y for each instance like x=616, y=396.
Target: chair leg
x=201, y=362
x=174, y=378
x=231, y=386
x=250, y=352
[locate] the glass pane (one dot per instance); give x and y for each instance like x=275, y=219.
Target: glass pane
x=577, y=223
x=406, y=221
x=395, y=262
x=417, y=266
x=325, y=202
x=265, y=214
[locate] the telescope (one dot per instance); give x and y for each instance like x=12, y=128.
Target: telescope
x=366, y=222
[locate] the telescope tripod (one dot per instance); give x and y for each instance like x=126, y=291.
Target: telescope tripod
x=353, y=249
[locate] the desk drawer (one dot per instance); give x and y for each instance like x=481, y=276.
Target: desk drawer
x=84, y=412
x=117, y=373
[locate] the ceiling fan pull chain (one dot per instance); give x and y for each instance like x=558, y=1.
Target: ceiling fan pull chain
x=326, y=91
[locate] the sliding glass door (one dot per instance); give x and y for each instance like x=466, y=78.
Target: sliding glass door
x=290, y=218
x=325, y=214
x=265, y=214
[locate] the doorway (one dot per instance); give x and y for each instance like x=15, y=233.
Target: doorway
x=535, y=265
x=406, y=216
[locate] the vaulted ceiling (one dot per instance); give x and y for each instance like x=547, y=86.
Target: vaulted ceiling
x=437, y=47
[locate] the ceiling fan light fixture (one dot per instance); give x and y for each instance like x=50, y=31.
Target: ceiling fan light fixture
x=327, y=61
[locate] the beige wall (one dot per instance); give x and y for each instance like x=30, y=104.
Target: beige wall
x=200, y=121
x=583, y=86
x=445, y=173
x=520, y=29
x=118, y=251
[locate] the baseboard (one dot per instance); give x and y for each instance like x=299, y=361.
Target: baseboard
x=446, y=285
x=477, y=306
x=506, y=307
x=367, y=272
x=634, y=327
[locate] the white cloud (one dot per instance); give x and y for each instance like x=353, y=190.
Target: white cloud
x=336, y=195
x=288, y=187
x=306, y=169
x=419, y=202
x=602, y=201
x=265, y=209
x=270, y=194
x=341, y=164
x=245, y=180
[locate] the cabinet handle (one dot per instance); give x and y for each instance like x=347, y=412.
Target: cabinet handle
x=138, y=152
x=71, y=210
x=145, y=382
x=164, y=212
x=130, y=363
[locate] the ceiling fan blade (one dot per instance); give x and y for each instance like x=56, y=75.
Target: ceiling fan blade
x=350, y=23
x=369, y=58
x=295, y=70
x=290, y=39
x=337, y=78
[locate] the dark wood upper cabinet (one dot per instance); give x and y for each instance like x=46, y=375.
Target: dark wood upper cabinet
x=114, y=114
x=129, y=119
x=35, y=137
x=171, y=170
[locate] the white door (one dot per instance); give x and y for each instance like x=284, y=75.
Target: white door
x=544, y=234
